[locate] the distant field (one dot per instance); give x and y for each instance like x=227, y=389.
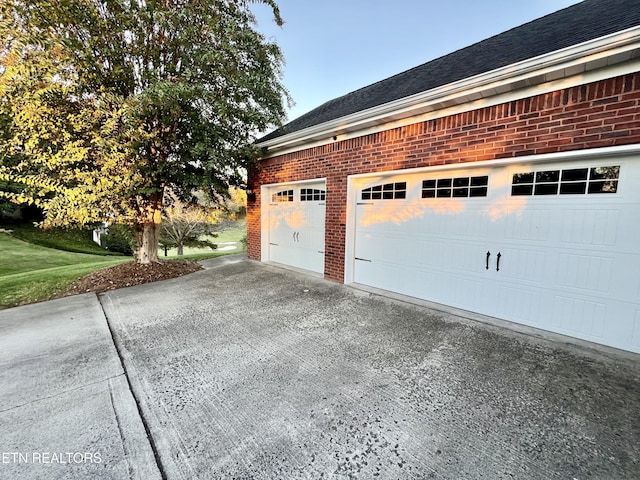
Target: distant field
x=228, y=241
x=30, y=273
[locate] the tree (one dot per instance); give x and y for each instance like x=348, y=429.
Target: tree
x=236, y=204
x=186, y=223
x=105, y=104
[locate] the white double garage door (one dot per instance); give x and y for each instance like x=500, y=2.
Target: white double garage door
x=550, y=245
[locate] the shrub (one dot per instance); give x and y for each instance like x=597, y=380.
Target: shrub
x=119, y=238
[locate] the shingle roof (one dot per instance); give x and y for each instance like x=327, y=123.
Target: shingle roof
x=579, y=23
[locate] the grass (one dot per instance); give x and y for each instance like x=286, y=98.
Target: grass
x=43, y=284
x=204, y=255
x=31, y=273
x=71, y=240
x=228, y=237
x=38, y=264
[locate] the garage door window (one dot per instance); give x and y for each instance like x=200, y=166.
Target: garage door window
x=388, y=191
x=455, y=187
x=574, y=181
x=282, y=196
x=312, y=194
x=604, y=180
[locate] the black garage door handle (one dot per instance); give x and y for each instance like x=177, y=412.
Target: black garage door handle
x=498, y=263
x=488, y=255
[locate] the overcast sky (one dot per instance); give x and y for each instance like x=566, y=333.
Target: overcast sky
x=333, y=47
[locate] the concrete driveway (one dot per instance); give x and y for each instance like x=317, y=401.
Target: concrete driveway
x=249, y=371
x=66, y=409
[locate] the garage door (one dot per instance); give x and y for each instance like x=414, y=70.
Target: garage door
x=553, y=246
x=296, y=222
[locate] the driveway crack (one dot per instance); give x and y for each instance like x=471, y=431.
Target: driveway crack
x=64, y=392
x=119, y=424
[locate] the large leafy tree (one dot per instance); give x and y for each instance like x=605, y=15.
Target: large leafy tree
x=105, y=104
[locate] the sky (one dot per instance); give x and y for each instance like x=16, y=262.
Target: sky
x=333, y=47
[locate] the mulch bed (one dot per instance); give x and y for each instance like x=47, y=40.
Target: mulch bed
x=131, y=273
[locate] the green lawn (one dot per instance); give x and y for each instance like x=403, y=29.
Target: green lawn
x=68, y=239
x=225, y=239
x=37, y=264
x=30, y=273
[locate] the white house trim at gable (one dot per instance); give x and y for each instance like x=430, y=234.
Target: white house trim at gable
x=599, y=59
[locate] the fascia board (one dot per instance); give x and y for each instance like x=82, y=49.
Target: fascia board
x=555, y=65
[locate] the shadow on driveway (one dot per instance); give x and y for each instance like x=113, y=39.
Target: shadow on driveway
x=245, y=370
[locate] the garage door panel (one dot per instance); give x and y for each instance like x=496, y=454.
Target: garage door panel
x=626, y=278
x=383, y=248
x=314, y=216
x=580, y=317
x=585, y=272
x=635, y=337
x=310, y=238
x=466, y=223
x=464, y=291
x=447, y=289
x=521, y=305
x=620, y=332
x=532, y=225
x=590, y=227
x=385, y=274
x=441, y=286
x=527, y=265
x=453, y=256
x=612, y=276
x=628, y=236
x=298, y=257
x=433, y=254
x=280, y=231
x=284, y=254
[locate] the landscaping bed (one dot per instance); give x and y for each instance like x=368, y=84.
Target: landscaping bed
x=131, y=273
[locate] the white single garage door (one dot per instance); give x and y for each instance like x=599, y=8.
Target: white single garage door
x=555, y=246
x=295, y=224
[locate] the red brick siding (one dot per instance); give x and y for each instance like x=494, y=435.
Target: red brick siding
x=600, y=114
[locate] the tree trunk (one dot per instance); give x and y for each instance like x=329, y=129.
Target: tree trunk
x=148, y=231
x=180, y=249
x=147, y=243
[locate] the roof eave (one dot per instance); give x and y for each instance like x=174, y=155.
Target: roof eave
x=567, y=62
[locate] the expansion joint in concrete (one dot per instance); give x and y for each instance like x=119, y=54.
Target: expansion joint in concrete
x=141, y=414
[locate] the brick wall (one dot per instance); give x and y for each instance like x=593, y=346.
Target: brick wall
x=600, y=114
